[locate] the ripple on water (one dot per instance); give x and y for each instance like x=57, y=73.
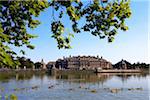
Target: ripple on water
x=77, y=87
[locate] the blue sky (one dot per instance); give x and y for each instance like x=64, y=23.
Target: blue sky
x=131, y=45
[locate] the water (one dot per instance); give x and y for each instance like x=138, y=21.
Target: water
x=74, y=86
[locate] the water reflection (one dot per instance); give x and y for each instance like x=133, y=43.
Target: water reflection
x=74, y=85
x=7, y=76
x=93, y=77
x=69, y=76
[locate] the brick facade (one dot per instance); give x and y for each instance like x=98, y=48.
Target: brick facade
x=83, y=62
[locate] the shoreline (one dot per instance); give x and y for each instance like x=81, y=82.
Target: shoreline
x=71, y=70
x=21, y=70
x=119, y=71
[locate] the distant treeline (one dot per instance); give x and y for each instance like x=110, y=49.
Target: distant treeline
x=29, y=64
x=141, y=65
x=24, y=63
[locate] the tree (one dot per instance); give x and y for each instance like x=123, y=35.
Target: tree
x=102, y=18
x=15, y=17
x=25, y=62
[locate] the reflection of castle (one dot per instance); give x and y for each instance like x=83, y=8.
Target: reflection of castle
x=82, y=77
x=82, y=62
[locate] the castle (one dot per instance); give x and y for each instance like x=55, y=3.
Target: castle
x=87, y=63
x=81, y=63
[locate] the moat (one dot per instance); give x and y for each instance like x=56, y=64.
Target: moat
x=79, y=85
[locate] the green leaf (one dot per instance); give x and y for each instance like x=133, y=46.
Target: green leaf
x=30, y=46
x=22, y=51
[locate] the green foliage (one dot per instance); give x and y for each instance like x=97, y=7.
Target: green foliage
x=6, y=97
x=25, y=62
x=15, y=17
x=58, y=28
x=13, y=97
x=102, y=18
x=141, y=65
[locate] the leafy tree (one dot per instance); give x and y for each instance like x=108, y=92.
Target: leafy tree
x=102, y=19
x=15, y=17
x=29, y=63
x=139, y=65
x=25, y=62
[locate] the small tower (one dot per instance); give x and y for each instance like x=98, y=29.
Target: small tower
x=43, y=66
x=97, y=56
x=69, y=56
